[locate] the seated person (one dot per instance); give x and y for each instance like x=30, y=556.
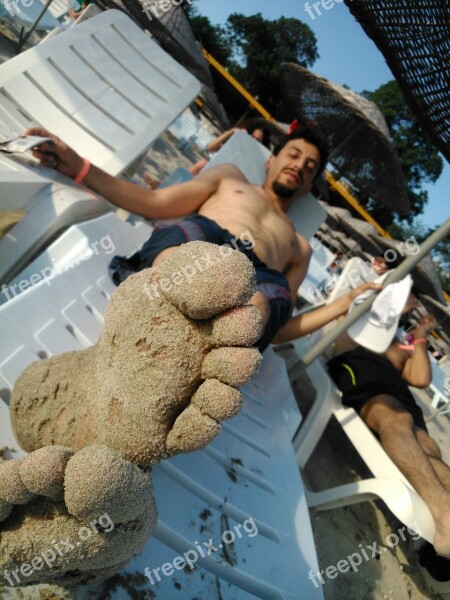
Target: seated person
x=229, y=208
x=376, y=386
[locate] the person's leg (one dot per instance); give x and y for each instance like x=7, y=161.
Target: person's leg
x=395, y=427
x=433, y=452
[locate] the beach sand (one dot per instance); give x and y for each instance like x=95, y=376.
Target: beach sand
x=338, y=532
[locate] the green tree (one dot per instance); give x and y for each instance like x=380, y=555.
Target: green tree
x=260, y=46
x=253, y=48
x=212, y=37
x=420, y=160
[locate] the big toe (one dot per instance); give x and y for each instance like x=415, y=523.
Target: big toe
x=75, y=540
x=203, y=279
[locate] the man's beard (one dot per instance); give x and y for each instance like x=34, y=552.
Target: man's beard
x=283, y=191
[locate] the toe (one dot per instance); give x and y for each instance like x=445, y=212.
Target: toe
x=12, y=488
x=100, y=480
x=198, y=424
x=242, y=326
x=217, y=400
x=42, y=471
x=203, y=279
x=192, y=430
x=234, y=366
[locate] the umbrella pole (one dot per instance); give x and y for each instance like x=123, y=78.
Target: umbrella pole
x=399, y=273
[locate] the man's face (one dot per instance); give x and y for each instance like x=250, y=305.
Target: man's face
x=293, y=170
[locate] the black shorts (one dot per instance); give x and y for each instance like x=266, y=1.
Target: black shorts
x=361, y=374
x=271, y=283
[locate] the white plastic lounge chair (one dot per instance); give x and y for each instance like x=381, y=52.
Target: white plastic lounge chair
x=388, y=483
x=439, y=386
x=324, y=256
x=106, y=88
x=185, y=128
x=60, y=8
x=249, y=471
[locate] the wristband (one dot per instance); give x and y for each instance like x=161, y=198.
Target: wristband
x=412, y=345
x=83, y=171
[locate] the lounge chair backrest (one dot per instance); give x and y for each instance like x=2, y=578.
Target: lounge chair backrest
x=60, y=8
x=355, y=272
x=104, y=87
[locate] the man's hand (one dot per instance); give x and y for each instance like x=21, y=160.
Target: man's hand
x=56, y=154
x=426, y=324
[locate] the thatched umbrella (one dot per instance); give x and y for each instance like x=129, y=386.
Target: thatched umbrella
x=362, y=232
x=359, y=138
x=414, y=38
x=336, y=214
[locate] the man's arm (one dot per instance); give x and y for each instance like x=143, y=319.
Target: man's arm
x=306, y=323
x=171, y=202
x=417, y=369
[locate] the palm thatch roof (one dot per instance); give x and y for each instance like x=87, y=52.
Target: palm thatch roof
x=361, y=149
x=414, y=38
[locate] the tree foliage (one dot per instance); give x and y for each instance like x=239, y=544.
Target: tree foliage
x=261, y=46
x=253, y=48
x=421, y=162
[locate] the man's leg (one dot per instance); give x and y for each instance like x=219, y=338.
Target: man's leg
x=386, y=416
x=433, y=452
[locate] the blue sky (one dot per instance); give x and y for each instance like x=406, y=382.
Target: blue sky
x=347, y=56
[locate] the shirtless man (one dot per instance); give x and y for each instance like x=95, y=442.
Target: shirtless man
x=228, y=207
x=376, y=386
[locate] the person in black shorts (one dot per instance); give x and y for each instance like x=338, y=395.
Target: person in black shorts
x=376, y=386
x=360, y=374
